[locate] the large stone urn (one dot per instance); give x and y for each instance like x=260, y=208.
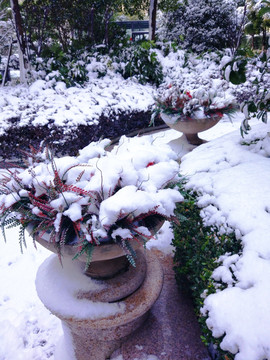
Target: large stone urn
x=132, y=290
x=189, y=126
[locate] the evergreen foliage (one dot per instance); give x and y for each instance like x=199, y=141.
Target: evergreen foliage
x=141, y=61
x=202, y=25
x=197, y=250
x=258, y=22
x=133, y=59
x=73, y=23
x=6, y=28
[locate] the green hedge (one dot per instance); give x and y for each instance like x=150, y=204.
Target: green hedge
x=197, y=249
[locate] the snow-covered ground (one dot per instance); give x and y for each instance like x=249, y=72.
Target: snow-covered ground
x=234, y=180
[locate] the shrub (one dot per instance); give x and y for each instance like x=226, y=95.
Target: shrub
x=251, y=73
x=141, y=62
x=57, y=65
x=197, y=250
x=138, y=60
x=201, y=25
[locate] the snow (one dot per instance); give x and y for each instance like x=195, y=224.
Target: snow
x=57, y=286
x=47, y=102
x=74, y=106
x=28, y=331
x=232, y=179
x=129, y=181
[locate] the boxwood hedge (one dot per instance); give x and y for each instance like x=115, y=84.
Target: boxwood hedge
x=197, y=248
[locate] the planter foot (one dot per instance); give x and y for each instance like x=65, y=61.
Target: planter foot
x=194, y=139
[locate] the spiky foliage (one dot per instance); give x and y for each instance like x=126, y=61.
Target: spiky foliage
x=47, y=197
x=174, y=100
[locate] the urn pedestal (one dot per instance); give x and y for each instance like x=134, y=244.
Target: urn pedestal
x=134, y=290
x=190, y=127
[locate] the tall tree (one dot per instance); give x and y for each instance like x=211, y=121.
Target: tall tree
x=6, y=29
x=73, y=21
x=165, y=6
x=21, y=39
x=152, y=19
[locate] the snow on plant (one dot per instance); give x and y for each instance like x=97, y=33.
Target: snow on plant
x=182, y=66
x=50, y=101
x=193, y=86
x=195, y=73
x=202, y=102
x=98, y=197
x=251, y=77
x=201, y=25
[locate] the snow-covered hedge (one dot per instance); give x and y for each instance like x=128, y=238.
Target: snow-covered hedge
x=48, y=101
x=231, y=177
x=197, y=248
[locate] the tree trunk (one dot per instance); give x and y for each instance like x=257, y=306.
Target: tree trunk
x=92, y=16
x=152, y=19
x=264, y=39
x=14, y=4
x=107, y=17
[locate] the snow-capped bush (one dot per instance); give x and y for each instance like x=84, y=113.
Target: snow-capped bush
x=141, y=62
x=201, y=102
x=251, y=77
x=227, y=257
x=98, y=197
x=201, y=25
x=134, y=60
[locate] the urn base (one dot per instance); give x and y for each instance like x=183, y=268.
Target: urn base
x=97, y=338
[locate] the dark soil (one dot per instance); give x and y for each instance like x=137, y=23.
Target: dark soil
x=64, y=141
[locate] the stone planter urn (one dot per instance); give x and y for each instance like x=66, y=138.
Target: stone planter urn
x=96, y=211
x=132, y=291
x=190, y=127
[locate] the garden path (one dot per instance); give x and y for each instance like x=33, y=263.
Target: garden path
x=171, y=331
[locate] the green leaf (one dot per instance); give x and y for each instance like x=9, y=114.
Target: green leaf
x=237, y=77
x=252, y=107
x=245, y=127
x=89, y=253
x=181, y=37
x=263, y=57
x=22, y=241
x=264, y=11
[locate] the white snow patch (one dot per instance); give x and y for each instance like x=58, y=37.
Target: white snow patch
x=57, y=287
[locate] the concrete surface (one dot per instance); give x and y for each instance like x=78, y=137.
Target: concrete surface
x=171, y=332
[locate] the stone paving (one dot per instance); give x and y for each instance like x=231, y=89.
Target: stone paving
x=171, y=331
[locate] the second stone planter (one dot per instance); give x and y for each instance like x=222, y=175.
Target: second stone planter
x=190, y=127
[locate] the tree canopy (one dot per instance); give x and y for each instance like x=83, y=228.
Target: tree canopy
x=202, y=24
